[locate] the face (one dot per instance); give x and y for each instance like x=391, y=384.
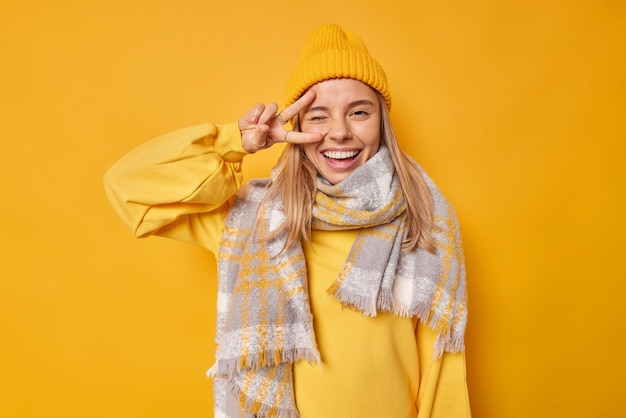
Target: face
x=347, y=114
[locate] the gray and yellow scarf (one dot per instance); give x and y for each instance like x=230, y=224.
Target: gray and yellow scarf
x=264, y=321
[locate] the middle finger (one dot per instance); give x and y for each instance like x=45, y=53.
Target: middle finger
x=268, y=113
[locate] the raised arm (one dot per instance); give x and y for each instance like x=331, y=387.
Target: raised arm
x=169, y=184
x=179, y=184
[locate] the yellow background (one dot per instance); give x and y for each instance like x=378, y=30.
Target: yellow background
x=516, y=109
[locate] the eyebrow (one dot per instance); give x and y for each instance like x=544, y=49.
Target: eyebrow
x=356, y=103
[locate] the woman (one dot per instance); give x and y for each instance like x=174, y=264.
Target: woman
x=345, y=213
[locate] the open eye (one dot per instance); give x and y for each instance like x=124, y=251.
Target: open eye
x=360, y=114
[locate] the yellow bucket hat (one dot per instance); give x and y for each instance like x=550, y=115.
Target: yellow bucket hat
x=332, y=52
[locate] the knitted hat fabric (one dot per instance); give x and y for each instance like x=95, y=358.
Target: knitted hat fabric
x=332, y=52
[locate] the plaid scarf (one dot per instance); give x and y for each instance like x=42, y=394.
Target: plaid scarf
x=264, y=321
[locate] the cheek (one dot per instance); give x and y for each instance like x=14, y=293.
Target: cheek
x=311, y=128
x=376, y=139
x=371, y=140
x=310, y=151
x=369, y=132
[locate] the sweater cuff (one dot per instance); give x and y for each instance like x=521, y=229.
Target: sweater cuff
x=228, y=142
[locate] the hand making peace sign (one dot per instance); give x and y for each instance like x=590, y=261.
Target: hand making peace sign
x=261, y=127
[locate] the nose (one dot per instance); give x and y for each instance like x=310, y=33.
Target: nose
x=338, y=129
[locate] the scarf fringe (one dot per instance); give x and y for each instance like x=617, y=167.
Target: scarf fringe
x=444, y=343
x=268, y=358
x=447, y=339
x=422, y=312
x=449, y=343
x=385, y=300
x=349, y=299
x=260, y=409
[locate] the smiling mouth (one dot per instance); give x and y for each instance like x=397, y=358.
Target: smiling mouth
x=340, y=155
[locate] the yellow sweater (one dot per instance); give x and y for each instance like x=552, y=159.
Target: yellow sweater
x=179, y=186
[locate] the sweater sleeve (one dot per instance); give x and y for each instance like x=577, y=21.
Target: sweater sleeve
x=443, y=386
x=179, y=184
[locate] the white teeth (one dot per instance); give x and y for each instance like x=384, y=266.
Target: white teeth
x=340, y=155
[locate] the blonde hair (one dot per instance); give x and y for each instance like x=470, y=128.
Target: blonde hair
x=295, y=185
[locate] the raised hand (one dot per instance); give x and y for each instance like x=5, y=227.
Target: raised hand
x=261, y=127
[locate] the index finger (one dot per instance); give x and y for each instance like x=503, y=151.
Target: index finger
x=296, y=137
x=303, y=102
